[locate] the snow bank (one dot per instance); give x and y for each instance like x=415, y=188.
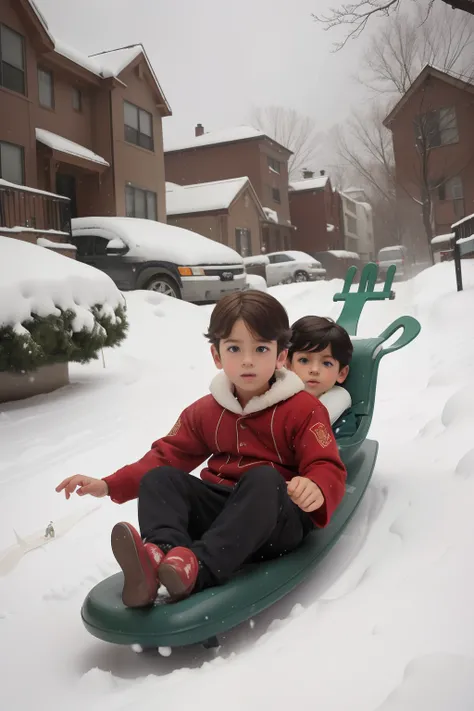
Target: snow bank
x=148, y=239
x=256, y=282
x=384, y=624
x=35, y=280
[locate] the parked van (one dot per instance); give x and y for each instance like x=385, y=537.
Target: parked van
x=397, y=255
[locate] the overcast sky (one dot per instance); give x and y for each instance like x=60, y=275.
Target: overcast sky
x=216, y=59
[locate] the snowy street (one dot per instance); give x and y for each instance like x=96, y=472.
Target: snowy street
x=386, y=622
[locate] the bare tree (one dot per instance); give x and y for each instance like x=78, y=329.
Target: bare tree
x=355, y=16
x=406, y=44
x=296, y=132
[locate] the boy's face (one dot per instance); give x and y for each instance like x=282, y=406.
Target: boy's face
x=247, y=361
x=319, y=371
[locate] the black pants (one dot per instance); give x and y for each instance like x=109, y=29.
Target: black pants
x=223, y=526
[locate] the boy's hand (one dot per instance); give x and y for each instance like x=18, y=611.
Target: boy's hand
x=85, y=485
x=305, y=494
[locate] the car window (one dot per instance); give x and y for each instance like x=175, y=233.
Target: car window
x=100, y=246
x=85, y=246
x=282, y=258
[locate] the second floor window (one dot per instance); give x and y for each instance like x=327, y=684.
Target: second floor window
x=437, y=128
x=452, y=189
x=140, y=203
x=138, y=126
x=76, y=99
x=46, y=88
x=12, y=60
x=273, y=164
x=12, y=163
x=351, y=224
x=276, y=195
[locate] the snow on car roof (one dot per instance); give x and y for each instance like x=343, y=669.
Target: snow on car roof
x=149, y=239
x=295, y=254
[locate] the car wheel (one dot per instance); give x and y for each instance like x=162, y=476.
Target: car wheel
x=301, y=276
x=164, y=285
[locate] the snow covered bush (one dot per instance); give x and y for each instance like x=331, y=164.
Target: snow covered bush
x=54, y=309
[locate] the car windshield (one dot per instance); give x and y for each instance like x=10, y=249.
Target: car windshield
x=389, y=254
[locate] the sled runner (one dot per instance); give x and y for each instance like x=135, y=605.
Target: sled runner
x=202, y=617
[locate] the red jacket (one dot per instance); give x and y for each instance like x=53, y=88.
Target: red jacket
x=286, y=428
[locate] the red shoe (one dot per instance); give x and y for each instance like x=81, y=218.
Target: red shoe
x=139, y=564
x=178, y=572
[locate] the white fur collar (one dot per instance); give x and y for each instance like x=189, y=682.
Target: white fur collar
x=287, y=384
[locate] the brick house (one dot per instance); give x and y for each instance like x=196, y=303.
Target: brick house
x=433, y=144
x=88, y=128
x=232, y=153
x=316, y=214
x=227, y=211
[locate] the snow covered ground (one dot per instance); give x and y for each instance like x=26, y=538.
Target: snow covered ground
x=385, y=624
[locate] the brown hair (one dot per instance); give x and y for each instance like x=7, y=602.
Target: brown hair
x=315, y=333
x=263, y=315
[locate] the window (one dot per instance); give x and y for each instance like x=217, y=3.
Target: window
x=12, y=60
x=140, y=203
x=273, y=164
x=11, y=163
x=437, y=128
x=138, y=126
x=46, y=88
x=76, y=99
x=280, y=258
x=351, y=224
x=452, y=189
x=243, y=241
x=276, y=195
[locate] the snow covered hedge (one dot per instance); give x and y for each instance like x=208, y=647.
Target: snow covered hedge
x=54, y=309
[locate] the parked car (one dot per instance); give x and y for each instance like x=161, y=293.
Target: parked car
x=145, y=254
x=397, y=255
x=288, y=266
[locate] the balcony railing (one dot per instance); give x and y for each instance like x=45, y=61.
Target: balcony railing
x=462, y=230
x=33, y=210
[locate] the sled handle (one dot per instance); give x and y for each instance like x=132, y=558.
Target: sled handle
x=411, y=328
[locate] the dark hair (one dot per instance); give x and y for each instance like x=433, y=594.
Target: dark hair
x=263, y=315
x=315, y=333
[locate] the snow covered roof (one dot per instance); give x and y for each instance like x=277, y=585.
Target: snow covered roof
x=154, y=240
x=103, y=64
x=270, y=214
x=35, y=280
x=203, y=197
x=112, y=63
x=309, y=184
x=64, y=145
x=225, y=135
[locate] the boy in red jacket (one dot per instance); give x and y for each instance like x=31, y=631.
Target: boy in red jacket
x=274, y=470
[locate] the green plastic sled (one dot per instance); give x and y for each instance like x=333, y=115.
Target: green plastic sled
x=204, y=616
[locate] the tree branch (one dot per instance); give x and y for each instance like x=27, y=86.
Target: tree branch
x=356, y=15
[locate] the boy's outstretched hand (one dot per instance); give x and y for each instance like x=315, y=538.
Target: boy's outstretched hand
x=305, y=494
x=85, y=485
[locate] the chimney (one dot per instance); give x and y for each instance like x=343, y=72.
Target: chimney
x=307, y=174
x=199, y=130
x=322, y=172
